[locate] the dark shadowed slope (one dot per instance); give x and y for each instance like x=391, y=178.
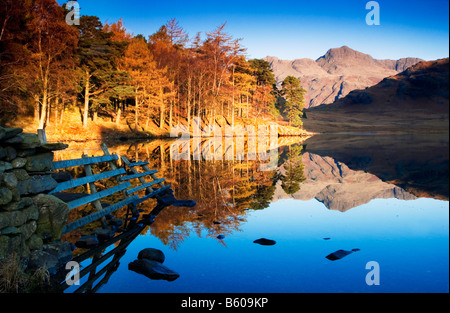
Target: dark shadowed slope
x=415, y=100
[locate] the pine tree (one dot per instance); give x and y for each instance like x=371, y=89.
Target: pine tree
x=98, y=54
x=293, y=94
x=265, y=91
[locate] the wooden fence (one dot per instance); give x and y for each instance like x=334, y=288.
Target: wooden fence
x=155, y=187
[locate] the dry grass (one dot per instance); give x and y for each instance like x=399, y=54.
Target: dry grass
x=13, y=279
x=72, y=131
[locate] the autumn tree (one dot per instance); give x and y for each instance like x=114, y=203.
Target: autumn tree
x=147, y=79
x=167, y=46
x=52, y=48
x=244, y=81
x=265, y=89
x=13, y=57
x=45, y=63
x=225, y=52
x=118, y=30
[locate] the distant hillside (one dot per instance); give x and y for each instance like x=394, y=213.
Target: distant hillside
x=415, y=100
x=338, y=72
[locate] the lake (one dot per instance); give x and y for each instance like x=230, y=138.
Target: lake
x=347, y=212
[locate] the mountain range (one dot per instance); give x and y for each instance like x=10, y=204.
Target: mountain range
x=333, y=75
x=416, y=99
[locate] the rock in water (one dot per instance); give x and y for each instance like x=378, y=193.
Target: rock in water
x=87, y=242
x=152, y=270
x=104, y=234
x=265, y=242
x=152, y=255
x=339, y=254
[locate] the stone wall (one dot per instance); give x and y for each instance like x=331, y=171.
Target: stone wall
x=31, y=221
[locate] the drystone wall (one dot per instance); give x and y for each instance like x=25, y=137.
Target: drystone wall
x=31, y=220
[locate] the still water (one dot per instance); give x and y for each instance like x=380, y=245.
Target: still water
x=385, y=197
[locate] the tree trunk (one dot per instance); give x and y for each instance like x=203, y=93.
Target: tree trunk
x=136, y=117
x=170, y=114
x=63, y=108
x=86, y=101
x=47, y=118
x=36, y=108
x=147, y=122
x=189, y=104
x=56, y=110
x=247, y=108
x=118, y=115
x=44, y=107
x=161, y=116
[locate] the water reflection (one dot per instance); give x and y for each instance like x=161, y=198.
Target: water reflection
x=417, y=163
x=341, y=171
x=105, y=260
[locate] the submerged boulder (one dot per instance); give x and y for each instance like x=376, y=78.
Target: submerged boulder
x=87, y=242
x=104, y=234
x=339, y=254
x=152, y=269
x=152, y=255
x=265, y=242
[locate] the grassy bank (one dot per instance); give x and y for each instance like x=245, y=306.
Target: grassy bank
x=72, y=129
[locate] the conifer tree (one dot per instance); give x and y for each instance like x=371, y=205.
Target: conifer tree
x=293, y=94
x=98, y=54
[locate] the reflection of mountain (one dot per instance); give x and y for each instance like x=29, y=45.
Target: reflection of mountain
x=339, y=187
x=342, y=171
x=418, y=163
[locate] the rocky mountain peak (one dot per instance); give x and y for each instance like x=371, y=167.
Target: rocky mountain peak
x=343, y=53
x=336, y=73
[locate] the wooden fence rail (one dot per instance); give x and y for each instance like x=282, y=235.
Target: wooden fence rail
x=155, y=187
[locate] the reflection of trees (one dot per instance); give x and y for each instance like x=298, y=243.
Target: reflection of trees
x=294, y=170
x=218, y=189
x=223, y=190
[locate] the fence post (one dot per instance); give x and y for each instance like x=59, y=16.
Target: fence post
x=42, y=136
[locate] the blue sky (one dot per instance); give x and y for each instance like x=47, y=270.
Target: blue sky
x=295, y=29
